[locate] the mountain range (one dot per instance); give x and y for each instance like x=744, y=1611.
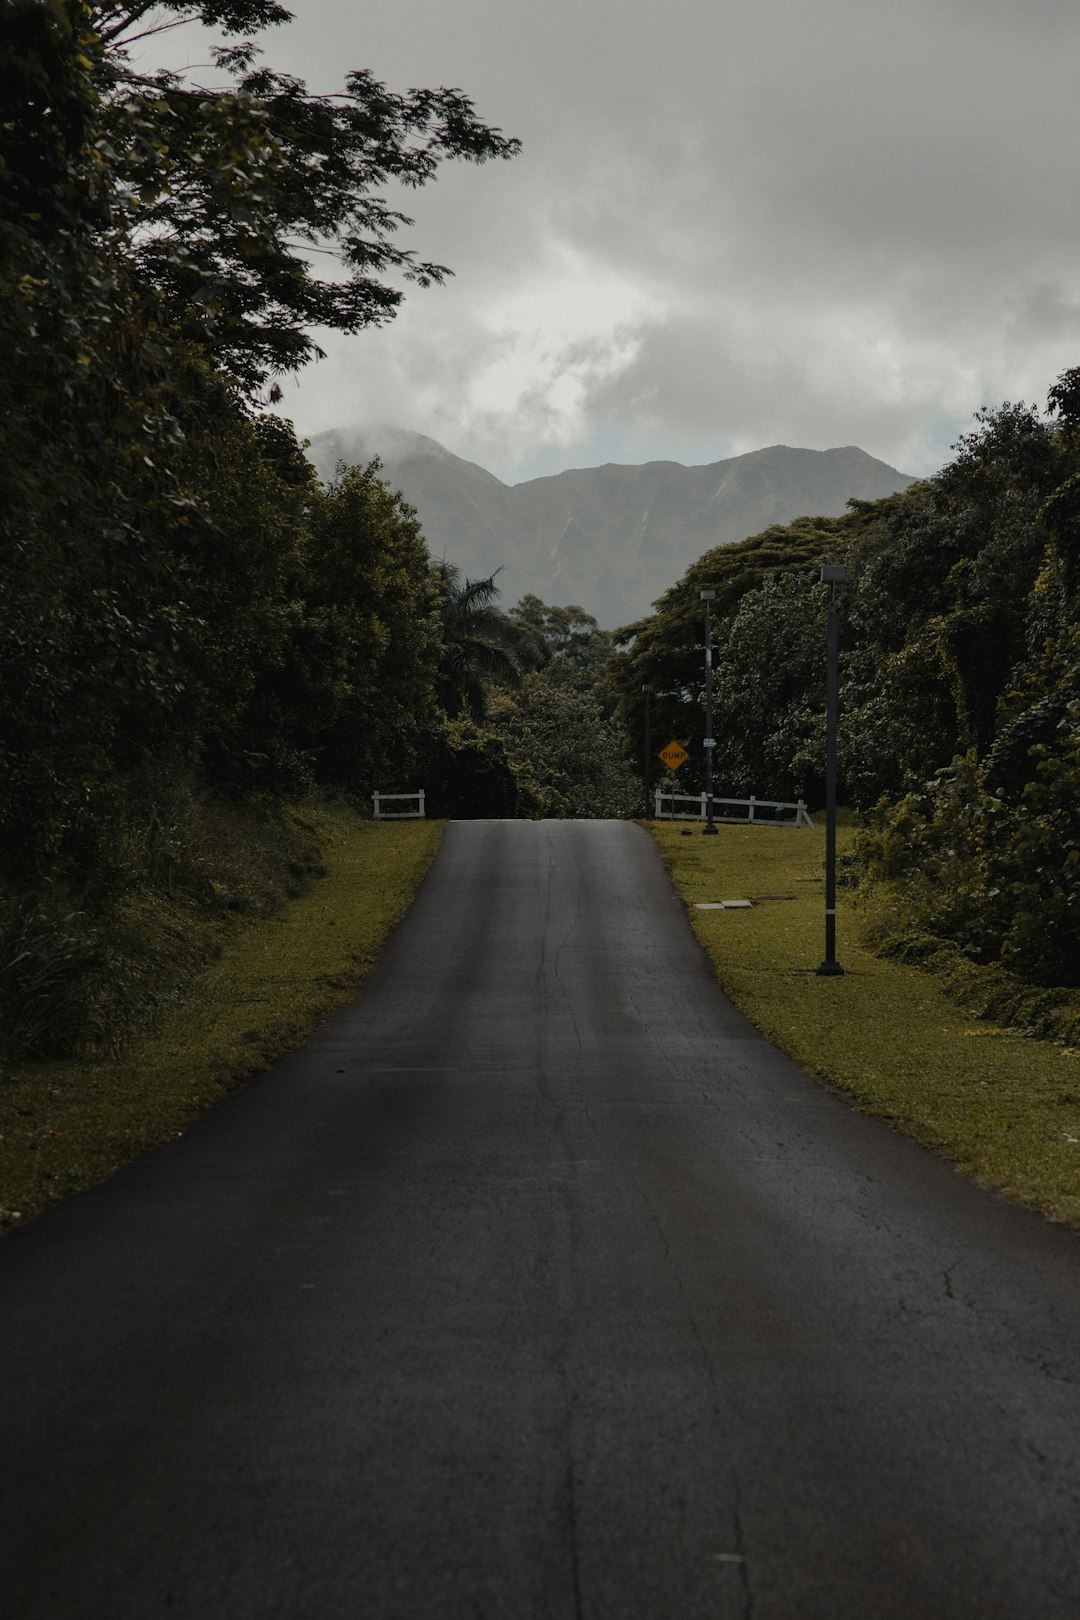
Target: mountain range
x=610, y=539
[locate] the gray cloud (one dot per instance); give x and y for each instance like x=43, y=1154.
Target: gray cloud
x=735, y=222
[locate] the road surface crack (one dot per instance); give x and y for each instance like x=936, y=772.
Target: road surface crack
x=740, y=1555
x=744, y=1562
x=575, y=1561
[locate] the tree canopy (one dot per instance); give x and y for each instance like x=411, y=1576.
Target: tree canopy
x=960, y=682
x=184, y=611
x=229, y=193
x=559, y=729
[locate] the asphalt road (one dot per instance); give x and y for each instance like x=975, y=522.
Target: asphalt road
x=540, y=1287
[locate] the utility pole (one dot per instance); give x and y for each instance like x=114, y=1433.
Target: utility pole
x=708, y=597
x=832, y=574
x=648, y=691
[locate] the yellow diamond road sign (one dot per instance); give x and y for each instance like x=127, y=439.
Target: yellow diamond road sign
x=673, y=755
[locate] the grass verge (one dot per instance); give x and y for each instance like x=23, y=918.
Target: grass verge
x=1003, y=1105
x=66, y=1125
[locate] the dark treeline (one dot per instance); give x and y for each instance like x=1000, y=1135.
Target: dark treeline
x=960, y=683
x=193, y=631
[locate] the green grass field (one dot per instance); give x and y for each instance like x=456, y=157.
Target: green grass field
x=1003, y=1106
x=67, y=1125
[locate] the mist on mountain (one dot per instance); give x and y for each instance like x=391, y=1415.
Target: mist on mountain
x=609, y=538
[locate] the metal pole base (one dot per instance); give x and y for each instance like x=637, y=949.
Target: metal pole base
x=829, y=970
x=710, y=832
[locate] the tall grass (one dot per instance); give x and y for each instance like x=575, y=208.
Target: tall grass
x=55, y=978
x=80, y=972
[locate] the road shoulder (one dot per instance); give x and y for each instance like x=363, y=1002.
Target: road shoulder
x=1003, y=1106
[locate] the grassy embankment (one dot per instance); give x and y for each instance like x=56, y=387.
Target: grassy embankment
x=67, y=1125
x=1003, y=1105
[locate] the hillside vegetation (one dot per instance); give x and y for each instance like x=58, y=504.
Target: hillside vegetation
x=959, y=689
x=195, y=633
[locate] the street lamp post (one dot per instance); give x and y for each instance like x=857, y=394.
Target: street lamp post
x=708, y=597
x=832, y=574
x=648, y=691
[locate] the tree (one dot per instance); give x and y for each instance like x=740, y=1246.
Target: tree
x=983, y=851
x=152, y=275
x=89, y=623
x=667, y=649
x=1062, y=510
x=481, y=645
x=564, y=744
x=223, y=194
x=769, y=693
x=183, y=613
x=366, y=663
x=567, y=634
x=558, y=725
x=945, y=581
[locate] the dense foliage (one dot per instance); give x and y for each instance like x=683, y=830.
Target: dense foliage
x=960, y=683
x=765, y=677
x=533, y=730
x=559, y=728
x=985, y=851
x=231, y=188
x=186, y=615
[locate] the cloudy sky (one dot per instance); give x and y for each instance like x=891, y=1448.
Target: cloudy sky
x=734, y=223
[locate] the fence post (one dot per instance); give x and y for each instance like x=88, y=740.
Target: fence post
x=658, y=798
x=375, y=796
x=704, y=807
x=753, y=801
x=423, y=807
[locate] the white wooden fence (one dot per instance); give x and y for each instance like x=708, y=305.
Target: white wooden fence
x=399, y=815
x=799, y=817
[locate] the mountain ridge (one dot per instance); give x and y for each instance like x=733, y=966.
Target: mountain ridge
x=610, y=538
